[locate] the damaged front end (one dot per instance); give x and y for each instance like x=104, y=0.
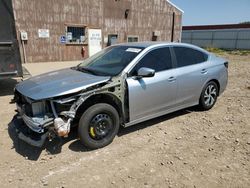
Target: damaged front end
x=33, y=121
x=48, y=118
x=39, y=120
x=47, y=104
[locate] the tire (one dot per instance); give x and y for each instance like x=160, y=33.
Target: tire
x=208, y=96
x=98, y=126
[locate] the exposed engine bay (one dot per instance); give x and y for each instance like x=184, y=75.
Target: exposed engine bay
x=55, y=116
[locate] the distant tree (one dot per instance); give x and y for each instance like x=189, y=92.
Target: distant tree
x=248, y=22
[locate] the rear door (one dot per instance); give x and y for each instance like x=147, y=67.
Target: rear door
x=10, y=63
x=154, y=95
x=192, y=73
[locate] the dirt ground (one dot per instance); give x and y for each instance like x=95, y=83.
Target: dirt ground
x=188, y=148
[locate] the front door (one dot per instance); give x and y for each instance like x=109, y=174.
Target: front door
x=94, y=41
x=152, y=96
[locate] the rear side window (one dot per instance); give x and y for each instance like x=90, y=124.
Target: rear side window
x=158, y=59
x=188, y=56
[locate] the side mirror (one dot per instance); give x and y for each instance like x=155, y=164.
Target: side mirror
x=145, y=72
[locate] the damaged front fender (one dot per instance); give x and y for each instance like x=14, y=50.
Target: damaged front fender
x=64, y=109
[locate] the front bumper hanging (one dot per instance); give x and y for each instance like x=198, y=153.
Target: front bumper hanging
x=25, y=134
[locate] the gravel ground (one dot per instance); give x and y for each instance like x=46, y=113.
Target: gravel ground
x=188, y=148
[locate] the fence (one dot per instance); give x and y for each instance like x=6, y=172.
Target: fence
x=225, y=38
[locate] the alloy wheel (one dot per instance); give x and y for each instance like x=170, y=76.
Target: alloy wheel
x=210, y=95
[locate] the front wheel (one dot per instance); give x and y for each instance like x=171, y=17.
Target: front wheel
x=209, y=96
x=98, y=126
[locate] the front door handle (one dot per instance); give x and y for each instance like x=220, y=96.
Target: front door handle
x=204, y=71
x=172, y=79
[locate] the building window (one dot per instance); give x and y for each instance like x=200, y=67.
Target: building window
x=133, y=38
x=75, y=35
x=112, y=39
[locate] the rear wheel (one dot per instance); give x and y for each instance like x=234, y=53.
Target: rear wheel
x=98, y=126
x=209, y=96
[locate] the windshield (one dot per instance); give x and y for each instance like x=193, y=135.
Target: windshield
x=110, y=61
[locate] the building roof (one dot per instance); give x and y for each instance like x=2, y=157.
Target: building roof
x=175, y=6
x=216, y=27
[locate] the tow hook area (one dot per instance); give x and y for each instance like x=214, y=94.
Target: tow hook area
x=62, y=127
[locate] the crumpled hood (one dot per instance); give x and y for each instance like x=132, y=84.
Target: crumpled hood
x=58, y=83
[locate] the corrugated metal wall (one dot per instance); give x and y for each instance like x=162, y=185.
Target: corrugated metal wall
x=145, y=17
x=226, y=38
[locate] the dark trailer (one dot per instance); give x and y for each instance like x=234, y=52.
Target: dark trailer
x=10, y=60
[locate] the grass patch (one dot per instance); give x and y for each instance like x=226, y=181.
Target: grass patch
x=240, y=52
x=231, y=52
x=215, y=50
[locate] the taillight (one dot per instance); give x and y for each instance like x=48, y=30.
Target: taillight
x=226, y=64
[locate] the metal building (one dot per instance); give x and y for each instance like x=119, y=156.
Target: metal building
x=233, y=36
x=57, y=30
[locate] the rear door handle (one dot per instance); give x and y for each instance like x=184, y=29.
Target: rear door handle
x=172, y=79
x=204, y=71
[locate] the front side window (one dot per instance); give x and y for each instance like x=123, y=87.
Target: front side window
x=110, y=61
x=188, y=56
x=158, y=59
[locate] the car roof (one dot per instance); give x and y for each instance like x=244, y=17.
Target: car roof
x=142, y=44
x=150, y=44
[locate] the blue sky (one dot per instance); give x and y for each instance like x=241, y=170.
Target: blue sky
x=202, y=12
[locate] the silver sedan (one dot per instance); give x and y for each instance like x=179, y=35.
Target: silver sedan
x=122, y=85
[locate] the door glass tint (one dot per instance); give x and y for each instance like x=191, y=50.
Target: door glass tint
x=159, y=60
x=187, y=56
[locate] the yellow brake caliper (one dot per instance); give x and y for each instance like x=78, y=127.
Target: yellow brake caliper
x=92, y=132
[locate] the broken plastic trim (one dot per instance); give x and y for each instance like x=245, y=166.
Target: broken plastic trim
x=53, y=109
x=62, y=126
x=66, y=100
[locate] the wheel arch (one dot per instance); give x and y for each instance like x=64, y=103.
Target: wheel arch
x=217, y=83
x=211, y=80
x=101, y=98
